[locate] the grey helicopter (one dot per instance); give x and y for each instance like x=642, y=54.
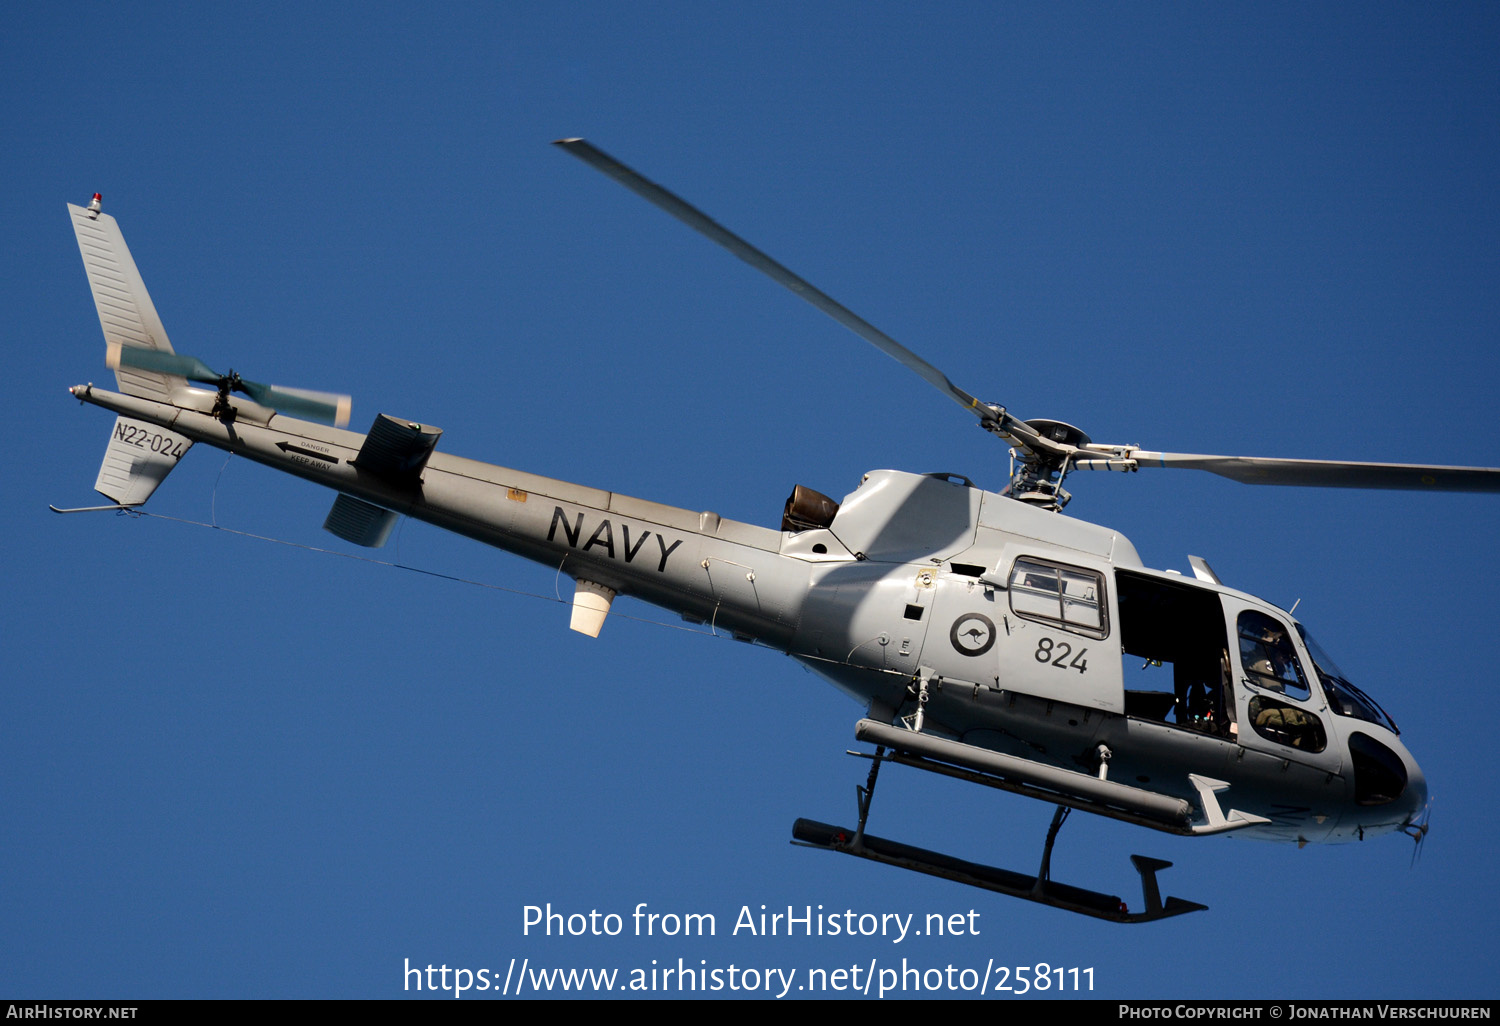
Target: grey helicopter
x=983, y=633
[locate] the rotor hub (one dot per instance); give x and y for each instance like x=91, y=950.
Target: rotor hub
x=1060, y=432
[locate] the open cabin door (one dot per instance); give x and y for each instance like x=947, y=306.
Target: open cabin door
x=1175, y=653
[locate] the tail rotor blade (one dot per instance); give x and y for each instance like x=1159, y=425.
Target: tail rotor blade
x=328, y=407
x=159, y=361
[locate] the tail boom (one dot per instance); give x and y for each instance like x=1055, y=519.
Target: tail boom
x=697, y=564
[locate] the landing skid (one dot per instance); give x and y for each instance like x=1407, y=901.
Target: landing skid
x=1040, y=888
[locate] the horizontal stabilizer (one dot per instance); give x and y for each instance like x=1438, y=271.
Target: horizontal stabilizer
x=360, y=522
x=139, y=457
x=396, y=449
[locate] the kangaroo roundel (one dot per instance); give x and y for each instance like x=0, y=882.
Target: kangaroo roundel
x=973, y=634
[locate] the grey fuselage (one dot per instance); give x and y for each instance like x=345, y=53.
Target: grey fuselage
x=917, y=578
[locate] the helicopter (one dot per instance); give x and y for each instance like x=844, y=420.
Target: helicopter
x=984, y=633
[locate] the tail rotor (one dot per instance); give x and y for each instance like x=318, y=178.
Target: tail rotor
x=327, y=407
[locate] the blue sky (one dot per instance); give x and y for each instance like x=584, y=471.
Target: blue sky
x=237, y=768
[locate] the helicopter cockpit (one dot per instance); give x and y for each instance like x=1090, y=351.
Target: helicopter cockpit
x=1211, y=661
x=1267, y=654
x=1273, y=672
x=1343, y=697
x=1380, y=775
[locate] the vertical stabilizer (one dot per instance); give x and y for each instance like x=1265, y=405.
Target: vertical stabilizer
x=139, y=457
x=125, y=310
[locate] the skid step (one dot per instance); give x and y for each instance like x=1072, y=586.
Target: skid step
x=813, y=834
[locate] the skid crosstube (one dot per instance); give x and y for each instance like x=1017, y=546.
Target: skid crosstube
x=1003, y=881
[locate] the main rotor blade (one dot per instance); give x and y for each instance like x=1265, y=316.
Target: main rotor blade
x=1315, y=473
x=993, y=418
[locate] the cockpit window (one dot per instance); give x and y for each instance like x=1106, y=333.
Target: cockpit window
x=1267, y=654
x=1343, y=697
x=1287, y=725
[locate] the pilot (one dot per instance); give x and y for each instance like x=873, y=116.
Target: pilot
x=1285, y=724
x=1266, y=654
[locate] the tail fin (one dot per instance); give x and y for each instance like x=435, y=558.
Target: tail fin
x=126, y=312
x=138, y=458
x=139, y=455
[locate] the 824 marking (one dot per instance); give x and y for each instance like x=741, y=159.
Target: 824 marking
x=1046, y=647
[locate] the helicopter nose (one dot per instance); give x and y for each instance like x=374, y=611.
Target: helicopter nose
x=1389, y=787
x=1416, y=797
x=1415, y=805
x=1382, y=768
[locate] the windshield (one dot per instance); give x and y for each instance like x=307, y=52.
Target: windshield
x=1344, y=697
